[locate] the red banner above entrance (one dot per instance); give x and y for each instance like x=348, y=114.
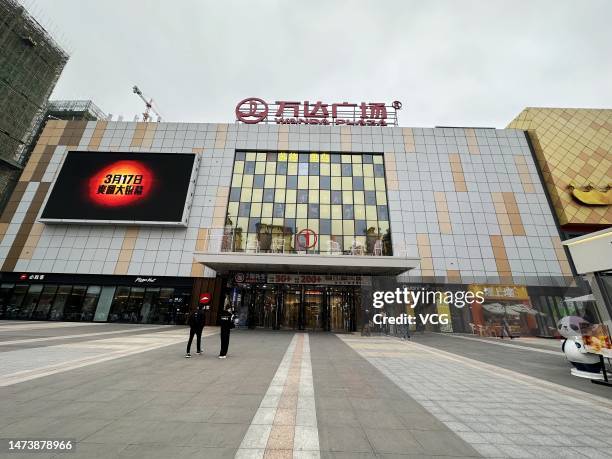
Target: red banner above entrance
x=299, y=279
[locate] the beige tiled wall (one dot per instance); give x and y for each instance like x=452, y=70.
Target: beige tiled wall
x=458, y=198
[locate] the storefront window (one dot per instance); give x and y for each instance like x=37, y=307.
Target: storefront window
x=309, y=202
x=74, y=303
x=29, y=302
x=6, y=292
x=165, y=312
x=57, y=310
x=44, y=303
x=14, y=302
x=134, y=305
x=94, y=303
x=119, y=307
x=90, y=302
x=150, y=305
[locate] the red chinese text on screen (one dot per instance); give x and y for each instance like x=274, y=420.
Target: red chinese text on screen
x=121, y=184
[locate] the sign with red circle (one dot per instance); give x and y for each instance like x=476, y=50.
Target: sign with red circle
x=205, y=298
x=251, y=110
x=306, y=239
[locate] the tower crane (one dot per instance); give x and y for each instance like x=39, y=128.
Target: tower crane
x=148, y=105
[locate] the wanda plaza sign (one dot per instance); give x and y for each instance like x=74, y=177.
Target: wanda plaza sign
x=254, y=110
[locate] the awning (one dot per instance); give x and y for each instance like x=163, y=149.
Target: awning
x=223, y=262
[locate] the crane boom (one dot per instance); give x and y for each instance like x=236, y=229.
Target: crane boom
x=148, y=105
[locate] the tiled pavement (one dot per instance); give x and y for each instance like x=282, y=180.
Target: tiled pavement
x=362, y=414
x=499, y=412
x=294, y=395
x=21, y=365
x=154, y=404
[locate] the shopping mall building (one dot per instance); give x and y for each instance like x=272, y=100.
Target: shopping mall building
x=291, y=215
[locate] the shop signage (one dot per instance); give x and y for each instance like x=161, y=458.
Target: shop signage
x=253, y=110
x=501, y=292
x=250, y=278
x=145, y=280
x=306, y=239
x=319, y=279
x=31, y=277
x=329, y=279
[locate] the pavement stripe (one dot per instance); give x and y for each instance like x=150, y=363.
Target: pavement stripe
x=255, y=439
x=8, y=325
x=80, y=335
x=285, y=424
x=60, y=358
x=497, y=343
x=306, y=437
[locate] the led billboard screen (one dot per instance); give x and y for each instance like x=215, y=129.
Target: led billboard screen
x=121, y=188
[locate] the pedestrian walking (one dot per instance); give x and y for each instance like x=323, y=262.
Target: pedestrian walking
x=505, y=329
x=196, y=325
x=227, y=323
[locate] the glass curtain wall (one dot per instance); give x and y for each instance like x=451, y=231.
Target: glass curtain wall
x=48, y=301
x=309, y=202
x=163, y=305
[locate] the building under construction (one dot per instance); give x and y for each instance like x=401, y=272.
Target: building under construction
x=74, y=110
x=30, y=65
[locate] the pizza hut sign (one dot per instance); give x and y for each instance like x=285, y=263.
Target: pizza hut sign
x=254, y=110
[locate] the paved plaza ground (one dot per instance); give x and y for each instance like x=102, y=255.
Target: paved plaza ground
x=126, y=391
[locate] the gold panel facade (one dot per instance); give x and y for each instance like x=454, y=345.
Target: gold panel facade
x=573, y=148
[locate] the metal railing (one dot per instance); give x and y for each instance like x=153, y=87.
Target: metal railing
x=220, y=240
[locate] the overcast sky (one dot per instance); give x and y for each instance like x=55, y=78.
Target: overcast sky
x=460, y=63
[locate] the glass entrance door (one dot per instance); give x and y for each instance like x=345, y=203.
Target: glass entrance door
x=313, y=309
x=297, y=307
x=290, y=312
x=339, y=310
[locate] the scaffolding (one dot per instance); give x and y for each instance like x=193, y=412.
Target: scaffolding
x=84, y=110
x=30, y=65
x=31, y=62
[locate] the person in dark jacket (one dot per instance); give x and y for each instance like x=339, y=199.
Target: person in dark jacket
x=227, y=323
x=196, y=325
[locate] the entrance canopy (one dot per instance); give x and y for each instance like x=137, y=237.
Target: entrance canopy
x=223, y=262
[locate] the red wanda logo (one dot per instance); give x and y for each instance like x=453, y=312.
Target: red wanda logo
x=120, y=184
x=251, y=110
x=307, y=238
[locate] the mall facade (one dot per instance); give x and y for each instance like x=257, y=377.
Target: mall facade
x=291, y=222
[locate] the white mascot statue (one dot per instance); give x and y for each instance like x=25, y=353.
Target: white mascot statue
x=586, y=365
